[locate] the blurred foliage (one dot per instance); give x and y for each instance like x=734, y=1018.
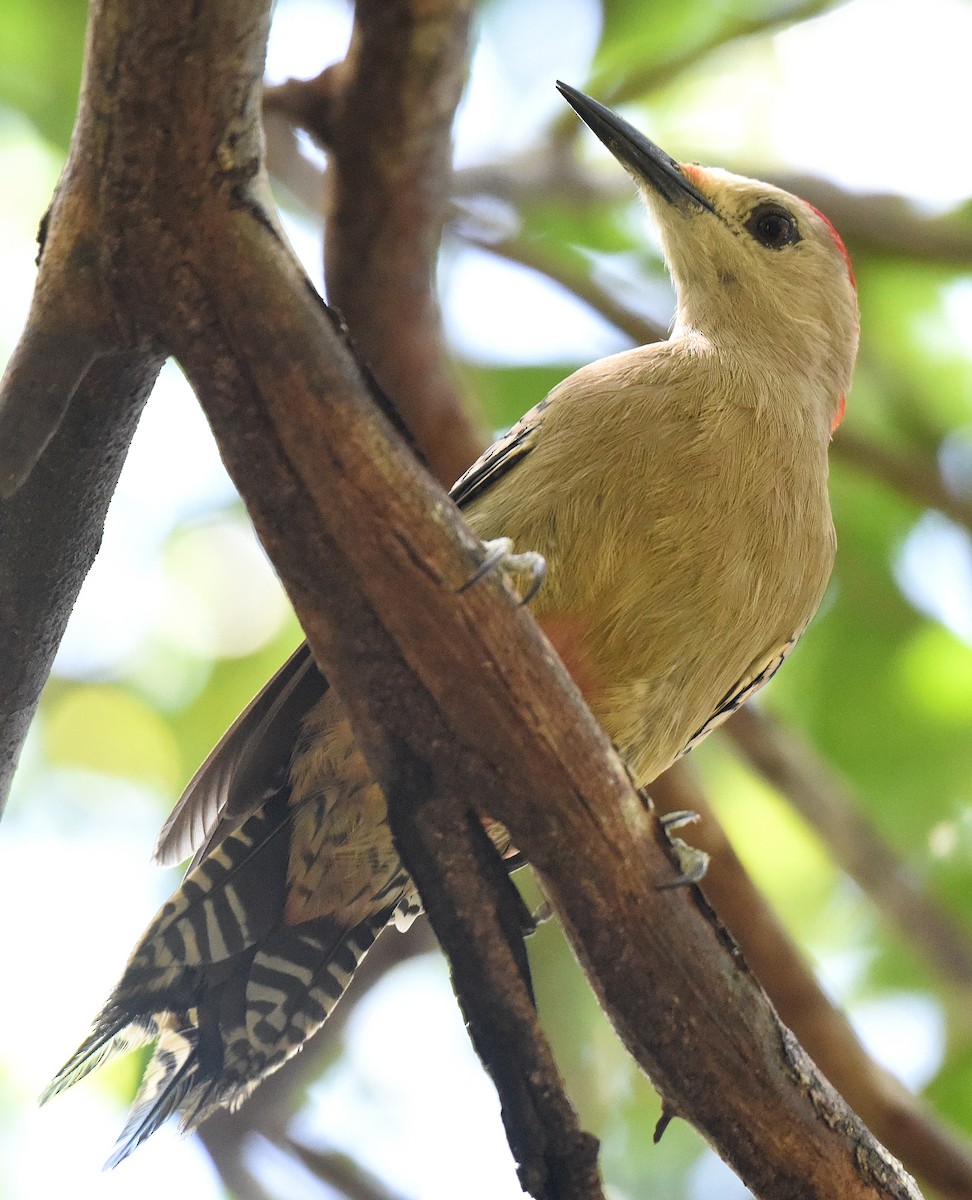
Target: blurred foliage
x=40, y=62
x=881, y=685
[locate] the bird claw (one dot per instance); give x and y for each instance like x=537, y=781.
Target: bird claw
x=499, y=553
x=692, y=862
x=541, y=914
x=677, y=819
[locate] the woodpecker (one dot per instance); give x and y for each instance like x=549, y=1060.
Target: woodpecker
x=678, y=493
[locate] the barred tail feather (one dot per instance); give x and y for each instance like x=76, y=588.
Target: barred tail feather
x=223, y=985
x=168, y=1080
x=226, y=904
x=296, y=982
x=113, y=1035
x=291, y=988
x=283, y=992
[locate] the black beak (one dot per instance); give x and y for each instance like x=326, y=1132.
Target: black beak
x=634, y=151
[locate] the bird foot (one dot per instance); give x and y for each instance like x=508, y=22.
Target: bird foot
x=523, y=573
x=692, y=862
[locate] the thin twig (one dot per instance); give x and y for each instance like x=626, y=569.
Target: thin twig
x=339, y=1172
x=831, y=808
x=578, y=282
x=656, y=75
x=920, y=480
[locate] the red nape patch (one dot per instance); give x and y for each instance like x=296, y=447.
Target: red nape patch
x=842, y=403
x=843, y=250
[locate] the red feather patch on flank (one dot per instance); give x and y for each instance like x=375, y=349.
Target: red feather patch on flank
x=843, y=250
x=841, y=405
x=568, y=635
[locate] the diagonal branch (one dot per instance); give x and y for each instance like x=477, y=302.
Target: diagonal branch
x=829, y=806
x=872, y=222
x=917, y=478
x=50, y=532
x=529, y=253
x=905, y=1123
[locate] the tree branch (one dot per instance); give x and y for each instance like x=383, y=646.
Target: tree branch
x=50, y=531
x=70, y=354
x=883, y=223
x=387, y=130
x=385, y=115
x=921, y=481
x=829, y=806
x=532, y=254
x=477, y=916
x=869, y=222
x=904, y=1123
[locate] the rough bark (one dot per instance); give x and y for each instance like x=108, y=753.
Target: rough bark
x=73, y=389
x=903, y=1122
x=385, y=115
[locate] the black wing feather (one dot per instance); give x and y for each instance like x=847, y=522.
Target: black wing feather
x=248, y=764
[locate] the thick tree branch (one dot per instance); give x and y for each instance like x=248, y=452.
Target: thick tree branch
x=596, y=858
x=902, y=1121
x=454, y=687
x=50, y=531
x=385, y=113
x=387, y=130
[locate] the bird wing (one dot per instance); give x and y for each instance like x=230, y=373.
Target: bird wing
x=251, y=760
x=503, y=454
x=248, y=764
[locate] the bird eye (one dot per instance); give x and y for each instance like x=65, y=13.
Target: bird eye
x=773, y=227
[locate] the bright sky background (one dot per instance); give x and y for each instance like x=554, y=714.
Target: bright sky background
x=856, y=95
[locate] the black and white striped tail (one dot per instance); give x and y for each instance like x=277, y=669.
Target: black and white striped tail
x=223, y=987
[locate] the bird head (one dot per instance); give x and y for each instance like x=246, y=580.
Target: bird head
x=758, y=272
